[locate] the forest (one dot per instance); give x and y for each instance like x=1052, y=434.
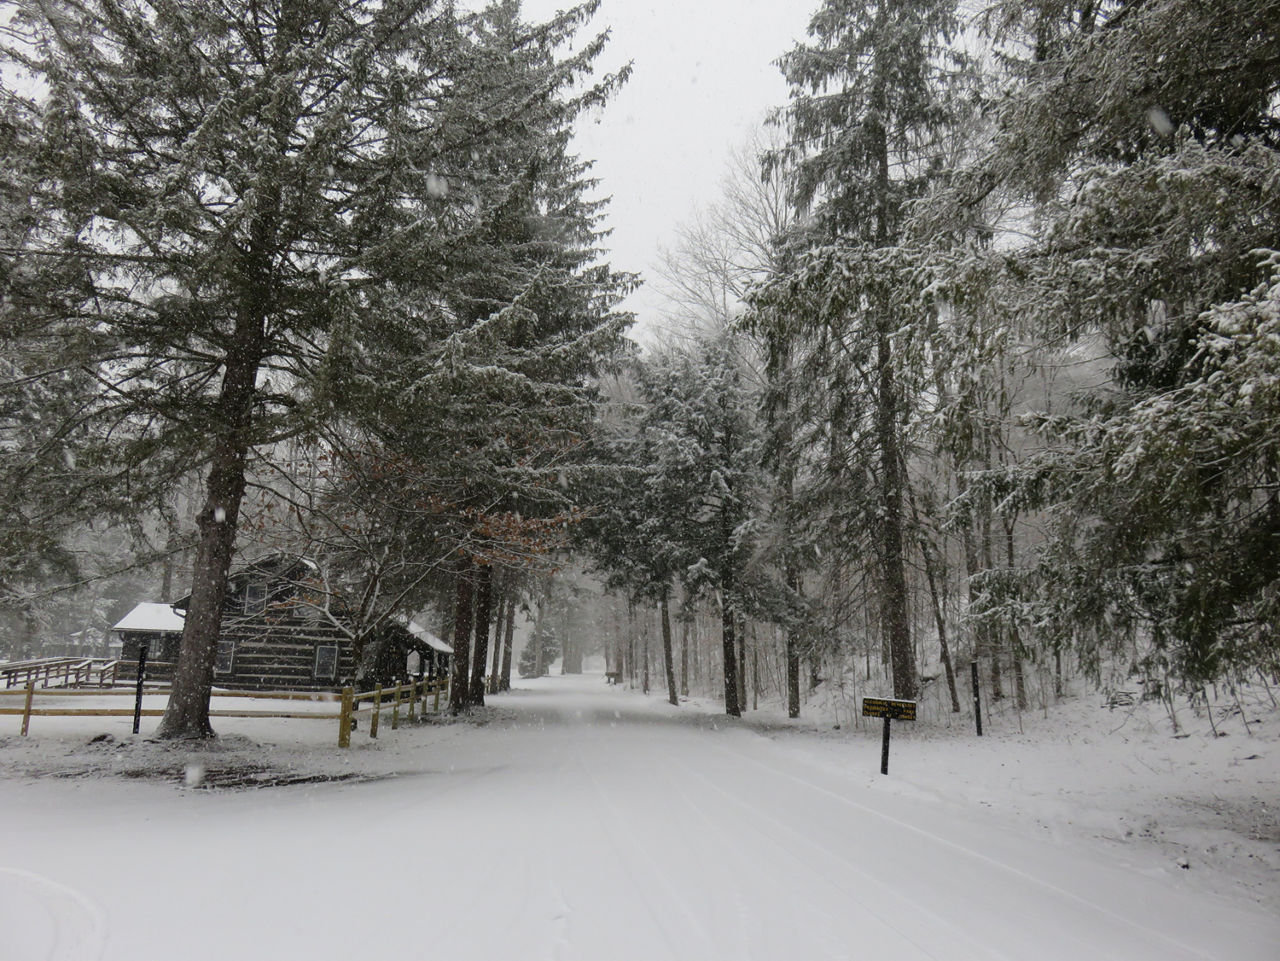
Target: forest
x=975, y=360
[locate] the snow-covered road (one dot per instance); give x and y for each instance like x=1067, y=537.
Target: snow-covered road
x=585, y=822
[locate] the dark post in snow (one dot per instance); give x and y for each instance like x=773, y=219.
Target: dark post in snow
x=137, y=700
x=977, y=703
x=891, y=711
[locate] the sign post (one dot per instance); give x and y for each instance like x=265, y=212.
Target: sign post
x=890, y=710
x=137, y=698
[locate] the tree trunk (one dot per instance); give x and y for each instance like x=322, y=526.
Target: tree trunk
x=668, y=660
x=992, y=637
x=539, y=646
x=730, y=647
x=684, y=657
x=573, y=643
x=645, y=685
x=186, y=716
x=895, y=615
x=483, y=614
x=793, y=655
x=742, y=663
x=495, y=668
x=504, y=683
x=939, y=618
x=755, y=674
x=566, y=637
x=696, y=654
x=631, y=643
x=896, y=618
x=460, y=683
x=1015, y=640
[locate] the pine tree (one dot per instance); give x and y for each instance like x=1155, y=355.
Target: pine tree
x=488, y=406
x=869, y=105
x=682, y=501
x=239, y=202
x=1147, y=133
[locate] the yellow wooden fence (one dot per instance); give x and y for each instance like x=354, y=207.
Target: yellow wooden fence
x=413, y=697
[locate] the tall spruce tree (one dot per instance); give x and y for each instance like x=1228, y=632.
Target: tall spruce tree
x=1147, y=134
x=488, y=406
x=683, y=502
x=868, y=107
x=238, y=199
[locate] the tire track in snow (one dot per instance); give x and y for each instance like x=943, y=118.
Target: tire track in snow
x=677, y=951
x=733, y=848
x=730, y=849
x=78, y=923
x=1146, y=931
x=909, y=904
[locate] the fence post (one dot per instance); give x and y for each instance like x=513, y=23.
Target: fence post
x=344, y=723
x=26, y=711
x=377, y=711
x=395, y=711
x=436, y=707
x=413, y=698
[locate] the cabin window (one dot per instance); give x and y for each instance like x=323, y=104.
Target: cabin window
x=166, y=648
x=223, y=663
x=255, y=597
x=326, y=662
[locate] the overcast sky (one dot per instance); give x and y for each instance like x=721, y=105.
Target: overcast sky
x=703, y=78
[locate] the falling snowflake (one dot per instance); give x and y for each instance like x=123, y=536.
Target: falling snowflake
x=1160, y=121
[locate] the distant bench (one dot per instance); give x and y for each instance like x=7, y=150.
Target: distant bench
x=613, y=677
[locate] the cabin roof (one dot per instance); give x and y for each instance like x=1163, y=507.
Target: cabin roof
x=280, y=565
x=156, y=618
x=420, y=632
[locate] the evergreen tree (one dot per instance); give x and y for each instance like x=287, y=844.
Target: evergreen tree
x=1148, y=135
x=487, y=407
x=684, y=498
x=868, y=110
x=239, y=203
x=543, y=646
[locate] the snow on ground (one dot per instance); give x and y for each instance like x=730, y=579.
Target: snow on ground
x=572, y=820
x=1204, y=803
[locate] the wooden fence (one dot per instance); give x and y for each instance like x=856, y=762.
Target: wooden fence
x=406, y=695
x=66, y=670
x=411, y=697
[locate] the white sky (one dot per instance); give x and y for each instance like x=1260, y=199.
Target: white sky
x=703, y=79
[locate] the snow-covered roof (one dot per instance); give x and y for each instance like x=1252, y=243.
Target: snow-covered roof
x=422, y=634
x=151, y=617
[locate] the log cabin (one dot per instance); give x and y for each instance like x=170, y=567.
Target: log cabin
x=282, y=631
x=278, y=632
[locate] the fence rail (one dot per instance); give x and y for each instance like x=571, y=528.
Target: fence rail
x=412, y=697
x=68, y=670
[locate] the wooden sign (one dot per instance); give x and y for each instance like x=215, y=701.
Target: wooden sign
x=888, y=709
